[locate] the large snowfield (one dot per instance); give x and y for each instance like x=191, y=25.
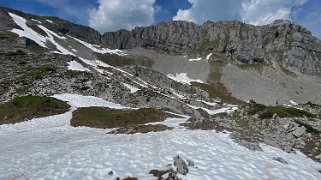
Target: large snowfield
x=49, y=148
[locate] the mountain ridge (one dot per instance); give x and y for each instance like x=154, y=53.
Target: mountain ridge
x=290, y=44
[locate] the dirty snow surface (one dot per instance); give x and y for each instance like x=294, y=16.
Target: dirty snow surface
x=76, y=66
x=183, y=78
x=59, y=151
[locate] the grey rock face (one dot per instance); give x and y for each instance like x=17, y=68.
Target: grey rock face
x=181, y=165
x=299, y=131
x=280, y=41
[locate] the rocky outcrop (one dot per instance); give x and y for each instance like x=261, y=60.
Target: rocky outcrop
x=53, y=23
x=181, y=165
x=282, y=40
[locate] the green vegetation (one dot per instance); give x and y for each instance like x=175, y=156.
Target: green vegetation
x=308, y=127
x=23, y=89
x=266, y=112
x=100, y=117
x=28, y=107
x=7, y=35
x=18, y=52
x=216, y=89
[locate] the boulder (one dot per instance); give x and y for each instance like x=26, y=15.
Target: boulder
x=181, y=165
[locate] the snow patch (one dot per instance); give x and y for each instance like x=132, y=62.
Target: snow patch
x=76, y=66
x=209, y=56
x=177, y=94
x=27, y=32
x=196, y=59
x=131, y=88
x=36, y=21
x=293, y=103
x=50, y=21
x=38, y=123
x=76, y=100
x=183, y=78
x=172, y=122
x=228, y=110
x=98, y=49
x=208, y=103
x=52, y=40
x=51, y=32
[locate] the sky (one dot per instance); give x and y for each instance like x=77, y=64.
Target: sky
x=111, y=15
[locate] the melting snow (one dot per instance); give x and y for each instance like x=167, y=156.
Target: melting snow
x=197, y=59
x=87, y=101
x=208, y=103
x=131, y=88
x=76, y=66
x=51, y=39
x=209, y=56
x=228, y=109
x=98, y=49
x=36, y=21
x=293, y=103
x=49, y=21
x=183, y=78
x=49, y=148
x=80, y=153
x=27, y=32
x=51, y=32
x=33, y=35
x=177, y=94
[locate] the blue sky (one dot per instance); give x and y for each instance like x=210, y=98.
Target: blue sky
x=110, y=15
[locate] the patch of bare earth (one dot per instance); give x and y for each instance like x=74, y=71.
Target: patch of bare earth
x=141, y=129
x=101, y=117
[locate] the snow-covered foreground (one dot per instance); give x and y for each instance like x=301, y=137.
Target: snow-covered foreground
x=78, y=153
x=56, y=150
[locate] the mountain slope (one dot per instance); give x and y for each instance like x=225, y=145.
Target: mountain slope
x=199, y=76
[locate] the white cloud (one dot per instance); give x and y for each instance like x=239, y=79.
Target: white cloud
x=260, y=12
x=203, y=10
x=112, y=15
x=257, y=12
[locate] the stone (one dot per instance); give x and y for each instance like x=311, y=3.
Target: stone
x=190, y=163
x=181, y=165
x=281, y=160
x=318, y=157
x=158, y=173
x=110, y=173
x=299, y=131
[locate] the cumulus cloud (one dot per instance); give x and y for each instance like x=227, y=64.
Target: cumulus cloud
x=257, y=12
x=203, y=10
x=112, y=15
x=260, y=12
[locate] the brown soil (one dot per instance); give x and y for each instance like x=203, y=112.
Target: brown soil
x=141, y=129
x=100, y=117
